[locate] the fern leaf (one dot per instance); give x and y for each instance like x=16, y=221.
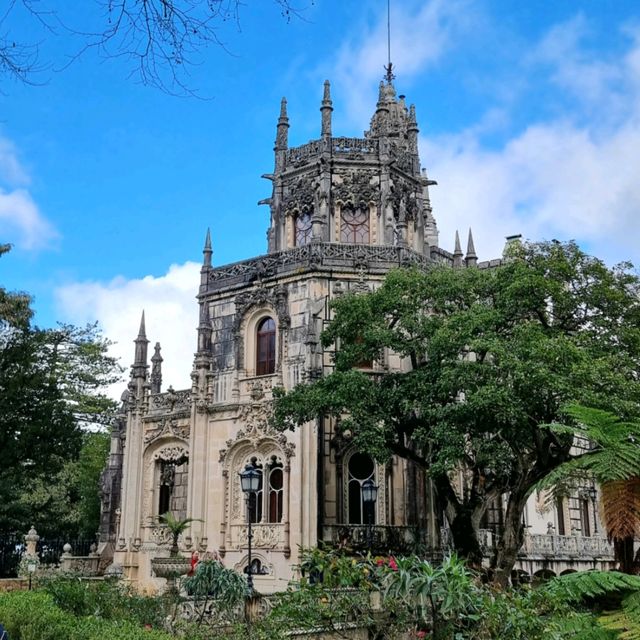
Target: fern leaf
x=592, y=584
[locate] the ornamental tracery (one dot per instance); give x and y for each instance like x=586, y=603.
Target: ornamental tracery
x=356, y=188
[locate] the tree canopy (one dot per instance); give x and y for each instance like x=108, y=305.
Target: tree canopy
x=490, y=357
x=51, y=388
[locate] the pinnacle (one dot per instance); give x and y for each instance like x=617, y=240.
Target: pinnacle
x=142, y=331
x=457, y=251
x=471, y=250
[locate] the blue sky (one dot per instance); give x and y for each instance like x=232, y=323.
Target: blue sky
x=529, y=116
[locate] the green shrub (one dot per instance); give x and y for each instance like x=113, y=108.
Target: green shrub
x=105, y=599
x=33, y=615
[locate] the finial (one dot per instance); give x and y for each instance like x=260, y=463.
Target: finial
x=283, y=108
x=471, y=259
x=155, y=378
x=389, y=67
x=326, y=97
x=142, y=331
x=207, y=251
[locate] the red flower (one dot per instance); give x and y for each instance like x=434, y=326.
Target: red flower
x=380, y=562
x=393, y=565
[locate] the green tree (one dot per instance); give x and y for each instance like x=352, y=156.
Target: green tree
x=612, y=460
x=491, y=355
x=51, y=383
x=68, y=502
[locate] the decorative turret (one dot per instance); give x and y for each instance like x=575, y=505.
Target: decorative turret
x=156, y=370
x=346, y=190
x=139, y=368
x=457, y=252
x=282, y=136
x=471, y=259
x=326, y=109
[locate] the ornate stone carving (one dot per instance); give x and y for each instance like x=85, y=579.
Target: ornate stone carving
x=356, y=188
x=174, y=454
x=274, y=297
x=265, y=536
x=300, y=195
x=403, y=200
x=319, y=254
x=167, y=426
x=171, y=401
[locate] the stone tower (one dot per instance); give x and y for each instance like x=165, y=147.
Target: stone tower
x=344, y=211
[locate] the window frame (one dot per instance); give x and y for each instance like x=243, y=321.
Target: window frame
x=265, y=366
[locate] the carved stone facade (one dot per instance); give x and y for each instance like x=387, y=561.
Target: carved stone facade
x=367, y=200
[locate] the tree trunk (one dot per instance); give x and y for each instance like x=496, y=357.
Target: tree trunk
x=464, y=529
x=511, y=539
x=624, y=554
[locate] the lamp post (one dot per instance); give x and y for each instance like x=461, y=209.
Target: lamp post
x=593, y=494
x=369, y=497
x=250, y=484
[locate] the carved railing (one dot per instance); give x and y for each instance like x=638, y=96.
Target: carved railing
x=581, y=547
x=315, y=256
x=381, y=539
x=554, y=546
x=343, y=147
x=354, y=145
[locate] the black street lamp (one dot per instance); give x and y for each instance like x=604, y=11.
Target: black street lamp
x=369, y=497
x=593, y=494
x=250, y=484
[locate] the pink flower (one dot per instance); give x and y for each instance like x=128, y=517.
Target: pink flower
x=393, y=565
x=421, y=634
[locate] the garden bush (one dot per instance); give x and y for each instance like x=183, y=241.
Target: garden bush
x=33, y=615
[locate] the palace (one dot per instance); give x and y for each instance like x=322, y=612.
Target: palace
x=344, y=211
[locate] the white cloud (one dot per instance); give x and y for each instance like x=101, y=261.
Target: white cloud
x=21, y=221
x=573, y=177
x=171, y=314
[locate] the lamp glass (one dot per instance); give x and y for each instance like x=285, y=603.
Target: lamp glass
x=250, y=479
x=369, y=491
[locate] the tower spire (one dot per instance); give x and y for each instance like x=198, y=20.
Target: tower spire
x=207, y=251
x=139, y=368
x=471, y=259
x=457, y=252
x=326, y=109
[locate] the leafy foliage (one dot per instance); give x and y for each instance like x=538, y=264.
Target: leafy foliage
x=176, y=527
x=489, y=357
x=212, y=581
x=51, y=387
x=576, y=587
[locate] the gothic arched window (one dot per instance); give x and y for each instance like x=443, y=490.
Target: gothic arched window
x=266, y=347
x=255, y=499
x=361, y=467
x=354, y=227
x=302, y=229
x=275, y=491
